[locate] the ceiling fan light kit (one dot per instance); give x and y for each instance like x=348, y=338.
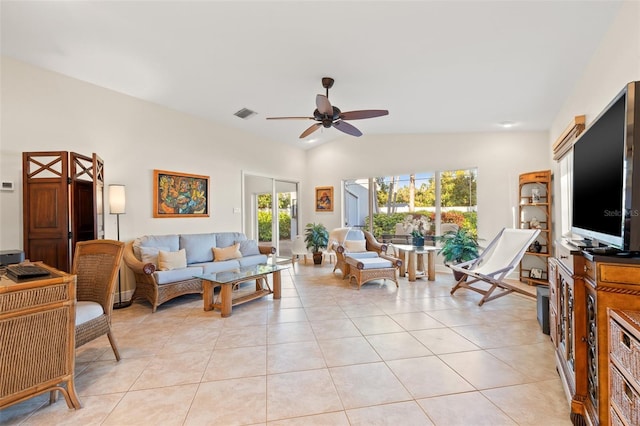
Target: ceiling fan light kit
x=327, y=115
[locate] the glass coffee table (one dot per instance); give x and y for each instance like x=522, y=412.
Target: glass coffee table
x=415, y=254
x=227, y=280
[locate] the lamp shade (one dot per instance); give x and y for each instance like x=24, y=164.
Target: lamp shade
x=117, y=199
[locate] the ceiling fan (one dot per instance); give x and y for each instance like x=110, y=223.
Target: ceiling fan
x=327, y=115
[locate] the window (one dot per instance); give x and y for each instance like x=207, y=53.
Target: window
x=441, y=196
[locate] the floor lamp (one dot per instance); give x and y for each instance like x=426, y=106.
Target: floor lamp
x=117, y=203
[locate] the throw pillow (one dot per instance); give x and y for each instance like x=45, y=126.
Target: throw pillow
x=248, y=247
x=168, y=260
x=198, y=247
x=226, y=253
x=150, y=254
x=355, y=246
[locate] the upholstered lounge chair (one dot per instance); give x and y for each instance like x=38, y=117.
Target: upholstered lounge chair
x=492, y=266
x=352, y=242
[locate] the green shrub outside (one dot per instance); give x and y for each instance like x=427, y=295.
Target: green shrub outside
x=264, y=225
x=386, y=223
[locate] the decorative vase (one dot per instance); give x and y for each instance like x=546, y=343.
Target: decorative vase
x=418, y=241
x=317, y=258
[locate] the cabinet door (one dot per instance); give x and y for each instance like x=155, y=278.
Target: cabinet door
x=591, y=323
x=567, y=323
x=553, y=302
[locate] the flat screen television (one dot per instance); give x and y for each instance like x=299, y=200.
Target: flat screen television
x=606, y=173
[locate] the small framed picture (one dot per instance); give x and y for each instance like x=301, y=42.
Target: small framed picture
x=324, y=198
x=535, y=273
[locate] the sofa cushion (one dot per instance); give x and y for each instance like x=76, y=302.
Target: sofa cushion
x=198, y=247
x=226, y=253
x=363, y=255
x=354, y=234
x=249, y=247
x=225, y=265
x=86, y=311
x=168, y=277
x=170, y=241
x=372, y=263
x=253, y=260
x=169, y=260
x=226, y=239
x=150, y=254
x=355, y=246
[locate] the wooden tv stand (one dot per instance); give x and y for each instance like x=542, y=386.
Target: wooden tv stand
x=582, y=288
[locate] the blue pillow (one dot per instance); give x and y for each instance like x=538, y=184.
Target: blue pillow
x=198, y=247
x=249, y=247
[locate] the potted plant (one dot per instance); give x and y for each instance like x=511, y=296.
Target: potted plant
x=418, y=226
x=457, y=247
x=317, y=238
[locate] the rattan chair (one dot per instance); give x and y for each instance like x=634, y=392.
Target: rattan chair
x=96, y=264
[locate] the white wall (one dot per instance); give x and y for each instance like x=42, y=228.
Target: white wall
x=615, y=63
x=42, y=111
x=499, y=157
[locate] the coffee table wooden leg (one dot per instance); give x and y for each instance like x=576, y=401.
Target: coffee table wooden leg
x=431, y=265
x=403, y=266
x=226, y=295
x=412, y=265
x=277, y=285
x=207, y=295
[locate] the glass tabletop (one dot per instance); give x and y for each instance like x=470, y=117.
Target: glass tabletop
x=240, y=274
x=417, y=249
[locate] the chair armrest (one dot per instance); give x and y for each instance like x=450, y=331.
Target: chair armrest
x=267, y=250
x=136, y=265
x=394, y=260
x=373, y=244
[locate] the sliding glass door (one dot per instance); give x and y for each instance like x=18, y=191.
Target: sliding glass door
x=271, y=212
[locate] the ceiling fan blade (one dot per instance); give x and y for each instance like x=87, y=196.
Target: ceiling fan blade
x=365, y=113
x=323, y=105
x=347, y=128
x=289, y=118
x=310, y=130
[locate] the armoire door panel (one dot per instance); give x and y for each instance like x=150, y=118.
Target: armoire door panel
x=51, y=251
x=46, y=208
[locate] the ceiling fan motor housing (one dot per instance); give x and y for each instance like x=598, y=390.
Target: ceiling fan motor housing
x=327, y=119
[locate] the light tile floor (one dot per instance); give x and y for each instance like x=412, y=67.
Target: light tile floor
x=325, y=354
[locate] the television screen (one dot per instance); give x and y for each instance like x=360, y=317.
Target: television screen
x=598, y=177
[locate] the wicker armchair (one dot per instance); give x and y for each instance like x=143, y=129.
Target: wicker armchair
x=96, y=264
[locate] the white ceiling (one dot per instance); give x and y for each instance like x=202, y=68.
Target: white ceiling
x=437, y=66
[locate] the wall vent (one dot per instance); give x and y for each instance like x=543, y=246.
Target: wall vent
x=245, y=113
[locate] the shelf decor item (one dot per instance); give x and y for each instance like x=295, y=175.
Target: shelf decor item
x=534, y=195
x=535, y=273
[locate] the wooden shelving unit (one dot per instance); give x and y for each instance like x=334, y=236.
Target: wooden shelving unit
x=534, y=193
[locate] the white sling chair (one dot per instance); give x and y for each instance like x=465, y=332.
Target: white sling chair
x=499, y=258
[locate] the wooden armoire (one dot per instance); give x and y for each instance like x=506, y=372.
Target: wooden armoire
x=63, y=203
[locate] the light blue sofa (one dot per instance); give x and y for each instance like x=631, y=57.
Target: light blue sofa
x=158, y=286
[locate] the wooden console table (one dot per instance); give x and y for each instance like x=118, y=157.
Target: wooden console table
x=583, y=287
x=37, y=337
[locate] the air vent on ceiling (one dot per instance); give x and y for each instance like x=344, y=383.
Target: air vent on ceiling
x=245, y=113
